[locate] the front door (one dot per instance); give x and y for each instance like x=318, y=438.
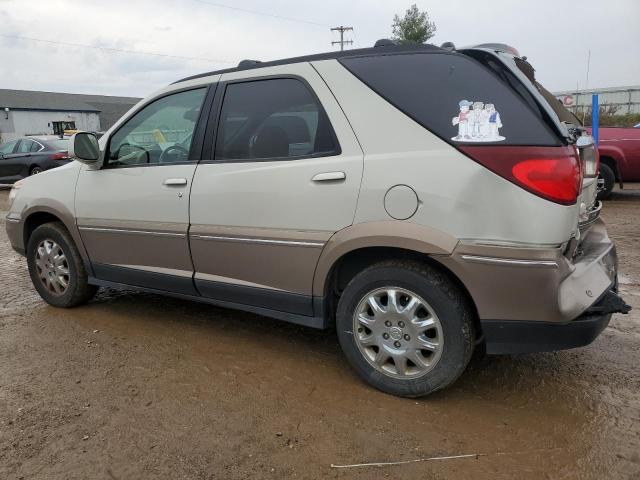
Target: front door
x=283, y=177
x=133, y=213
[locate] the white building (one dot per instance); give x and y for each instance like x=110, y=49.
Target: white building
x=621, y=99
x=24, y=112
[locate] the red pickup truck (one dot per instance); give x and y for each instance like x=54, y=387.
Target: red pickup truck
x=619, y=157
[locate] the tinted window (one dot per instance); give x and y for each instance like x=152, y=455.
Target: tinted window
x=159, y=133
x=7, y=148
x=277, y=118
x=453, y=96
x=25, y=146
x=35, y=146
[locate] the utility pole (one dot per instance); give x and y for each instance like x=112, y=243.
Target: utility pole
x=342, y=41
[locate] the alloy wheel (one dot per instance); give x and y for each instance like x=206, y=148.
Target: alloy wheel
x=397, y=332
x=52, y=267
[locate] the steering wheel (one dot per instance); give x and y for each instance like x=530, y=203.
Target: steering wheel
x=123, y=159
x=181, y=151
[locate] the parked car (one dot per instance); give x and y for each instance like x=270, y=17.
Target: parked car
x=31, y=155
x=619, y=157
x=423, y=200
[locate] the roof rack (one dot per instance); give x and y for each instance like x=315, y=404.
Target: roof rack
x=384, y=42
x=248, y=63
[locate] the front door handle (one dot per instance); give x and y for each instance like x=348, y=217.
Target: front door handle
x=175, y=182
x=328, y=176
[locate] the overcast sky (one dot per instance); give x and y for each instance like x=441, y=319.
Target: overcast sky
x=555, y=35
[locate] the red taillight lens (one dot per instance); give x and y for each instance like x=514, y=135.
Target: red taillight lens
x=556, y=179
x=59, y=156
x=552, y=173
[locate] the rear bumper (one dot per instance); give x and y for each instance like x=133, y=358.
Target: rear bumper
x=505, y=337
x=508, y=337
x=536, y=284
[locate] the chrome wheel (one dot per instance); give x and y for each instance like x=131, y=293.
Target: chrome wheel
x=397, y=332
x=52, y=267
x=35, y=171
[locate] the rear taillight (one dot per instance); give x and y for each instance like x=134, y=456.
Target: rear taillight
x=589, y=156
x=552, y=173
x=59, y=156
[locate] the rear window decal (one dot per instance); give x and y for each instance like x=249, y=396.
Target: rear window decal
x=477, y=122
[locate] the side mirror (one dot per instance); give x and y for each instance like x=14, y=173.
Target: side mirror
x=84, y=147
x=1, y=156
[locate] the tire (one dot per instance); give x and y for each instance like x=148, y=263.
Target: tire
x=50, y=253
x=609, y=177
x=35, y=170
x=452, y=330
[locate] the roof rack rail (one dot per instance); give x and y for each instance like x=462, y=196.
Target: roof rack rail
x=248, y=63
x=384, y=42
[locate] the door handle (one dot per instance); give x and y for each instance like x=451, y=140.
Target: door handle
x=328, y=176
x=175, y=182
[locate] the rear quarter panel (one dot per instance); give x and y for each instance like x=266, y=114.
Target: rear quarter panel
x=456, y=195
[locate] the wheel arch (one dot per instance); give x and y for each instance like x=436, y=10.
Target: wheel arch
x=339, y=265
x=37, y=216
x=613, y=157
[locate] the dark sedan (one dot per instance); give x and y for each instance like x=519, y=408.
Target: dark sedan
x=30, y=155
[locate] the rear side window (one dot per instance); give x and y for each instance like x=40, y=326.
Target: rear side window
x=25, y=146
x=273, y=119
x=454, y=97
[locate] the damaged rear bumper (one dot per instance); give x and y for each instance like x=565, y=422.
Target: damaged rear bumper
x=508, y=336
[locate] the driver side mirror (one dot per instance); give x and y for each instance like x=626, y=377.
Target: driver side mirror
x=84, y=147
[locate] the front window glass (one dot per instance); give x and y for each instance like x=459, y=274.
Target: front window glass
x=7, y=148
x=159, y=133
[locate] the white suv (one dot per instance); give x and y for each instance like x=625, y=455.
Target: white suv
x=424, y=200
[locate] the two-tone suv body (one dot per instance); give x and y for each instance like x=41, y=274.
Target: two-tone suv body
x=424, y=200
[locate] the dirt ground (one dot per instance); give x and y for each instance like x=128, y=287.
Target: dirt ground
x=137, y=386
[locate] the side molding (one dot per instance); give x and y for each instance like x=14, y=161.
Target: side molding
x=388, y=233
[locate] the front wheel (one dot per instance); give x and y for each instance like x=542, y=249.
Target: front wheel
x=405, y=328
x=56, y=268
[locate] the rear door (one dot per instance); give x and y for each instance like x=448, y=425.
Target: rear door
x=280, y=175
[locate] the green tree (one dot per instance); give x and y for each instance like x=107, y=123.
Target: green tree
x=414, y=26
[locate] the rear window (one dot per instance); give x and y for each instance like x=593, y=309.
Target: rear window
x=454, y=97
x=59, y=144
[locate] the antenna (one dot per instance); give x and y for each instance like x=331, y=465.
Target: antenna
x=342, y=41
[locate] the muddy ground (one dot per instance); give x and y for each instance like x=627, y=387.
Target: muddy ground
x=137, y=386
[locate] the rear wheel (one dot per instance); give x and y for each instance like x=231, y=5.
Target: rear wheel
x=56, y=268
x=405, y=328
x=609, y=178
x=35, y=170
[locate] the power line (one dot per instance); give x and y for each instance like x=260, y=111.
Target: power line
x=113, y=50
x=265, y=14
x=342, y=41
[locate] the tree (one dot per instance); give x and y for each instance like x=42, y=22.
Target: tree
x=413, y=27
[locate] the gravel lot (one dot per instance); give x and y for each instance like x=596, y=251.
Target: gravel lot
x=139, y=386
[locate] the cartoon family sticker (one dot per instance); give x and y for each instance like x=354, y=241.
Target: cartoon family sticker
x=478, y=124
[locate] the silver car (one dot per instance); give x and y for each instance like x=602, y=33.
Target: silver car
x=422, y=200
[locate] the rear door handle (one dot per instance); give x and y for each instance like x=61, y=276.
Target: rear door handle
x=175, y=182
x=328, y=176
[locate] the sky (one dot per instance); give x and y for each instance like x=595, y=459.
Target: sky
x=555, y=35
